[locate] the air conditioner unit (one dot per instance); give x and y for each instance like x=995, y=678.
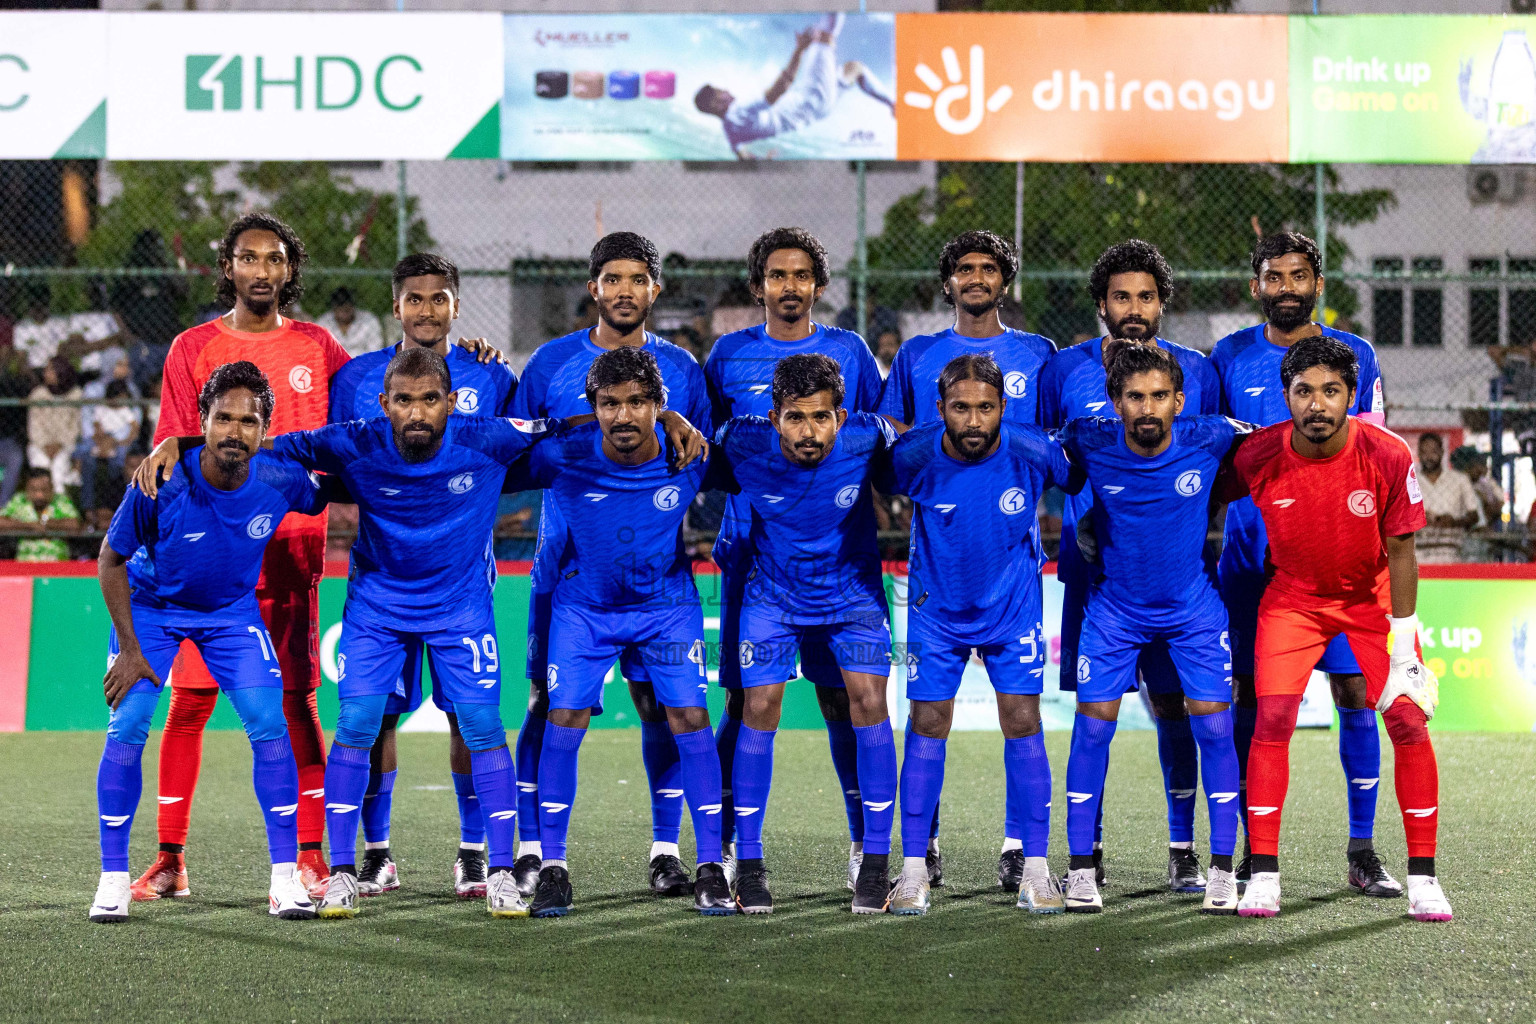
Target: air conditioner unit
x=1495, y=183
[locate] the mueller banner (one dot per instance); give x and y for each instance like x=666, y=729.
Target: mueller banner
x=53, y=85
x=699, y=87
x=1067, y=87
x=1421, y=89
x=300, y=86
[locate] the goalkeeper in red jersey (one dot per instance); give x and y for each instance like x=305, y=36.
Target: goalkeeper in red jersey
x=1341, y=505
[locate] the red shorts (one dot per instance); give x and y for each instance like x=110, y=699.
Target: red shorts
x=1294, y=631
x=289, y=595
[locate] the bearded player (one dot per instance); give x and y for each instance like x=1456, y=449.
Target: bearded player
x=1341, y=505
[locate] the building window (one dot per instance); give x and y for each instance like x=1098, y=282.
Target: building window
x=1428, y=305
x=1522, y=304
x=1387, y=304
x=1483, y=304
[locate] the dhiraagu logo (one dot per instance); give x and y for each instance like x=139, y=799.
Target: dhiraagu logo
x=944, y=93
x=224, y=81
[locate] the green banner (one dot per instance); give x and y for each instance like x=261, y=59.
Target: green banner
x=1413, y=89
x=1479, y=637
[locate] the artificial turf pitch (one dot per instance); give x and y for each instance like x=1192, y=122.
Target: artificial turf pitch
x=419, y=955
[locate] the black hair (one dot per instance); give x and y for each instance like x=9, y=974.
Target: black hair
x=1134, y=359
x=626, y=365
x=416, y=363
x=1282, y=243
x=807, y=374
x=987, y=242
x=297, y=257
x=422, y=264
x=243, y=374
x=978, y=367
x=624, y=245
x=1130, y=257
x=341, y=297
x=1465, y=457
x=1430, y=435
x=116, y=389
x=1320, y=351
x=770, y=242
x=33, y=472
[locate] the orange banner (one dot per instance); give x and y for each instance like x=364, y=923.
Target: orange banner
x=1070, y=87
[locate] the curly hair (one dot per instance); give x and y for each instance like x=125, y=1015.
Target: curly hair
x=1130, y=257
x=297, y=257
x=986, y=242
x=624, y=245
x=626, y=365
x=242, y=374
x=771, y=242
x=1282, y=243
x=807, y=374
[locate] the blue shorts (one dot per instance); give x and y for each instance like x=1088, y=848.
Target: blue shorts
x=936, y=663
x=237, y=655
x=466, y=664
x=818, y=662
x=1115, y=640
x=1076, y=577
x=584, y=641
x=766, y=651
x=409, y=689
x=539, y=608
x=1240, y=592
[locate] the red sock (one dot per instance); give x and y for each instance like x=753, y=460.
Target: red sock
x=1269, y=770
x=181, y=758
x=1416, y=775
x=309, y=752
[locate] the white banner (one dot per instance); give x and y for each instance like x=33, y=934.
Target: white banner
x=53, y=85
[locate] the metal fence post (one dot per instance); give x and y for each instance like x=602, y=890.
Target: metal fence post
x=861, y=258
x=1320, y=214
x=402, y=218
x=1018, y=229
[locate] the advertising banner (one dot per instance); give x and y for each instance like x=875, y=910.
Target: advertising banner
x=1420, y=89
x=53, y=85
x=303, y=86
x=1064, y=87
x=698, y=87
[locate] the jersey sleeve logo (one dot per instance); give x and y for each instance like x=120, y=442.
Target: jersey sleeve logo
x=1362, y=503
x=1188, y=483
x=468, y=401
x=1414, y=494
x=1016, y=384
x=847, y=496
x=301, y=379
x=1012, y=502
x=259, y=527
x=667, y=498
x=461, y=483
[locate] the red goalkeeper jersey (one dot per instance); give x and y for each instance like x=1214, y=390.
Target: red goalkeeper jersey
x=1328, y=518
x=299, y=359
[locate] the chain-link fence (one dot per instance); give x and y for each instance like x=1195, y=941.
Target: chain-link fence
x=1436, y=265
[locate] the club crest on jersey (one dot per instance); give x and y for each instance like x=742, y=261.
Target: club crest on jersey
x=1188, y=483
x=259, y=527
x=911, y=667
x=667, y=498
x=468, y=401
x=461, y=483
x=1016, y=384
x=847, y=496
x=1012, y=502
x=744, y=654
x=301, y=379
x=1084, y=668
x=1362, y=503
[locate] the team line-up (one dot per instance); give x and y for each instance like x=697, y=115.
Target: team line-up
x=213, y=559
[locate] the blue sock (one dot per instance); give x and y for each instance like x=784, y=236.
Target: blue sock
x=845, y=761
x=933, y=829
x=1098, y=817
x=753, y=774
x=1244, y=720
x=346, y=780
x=922, y=780
x=701, y=785
x=530, y=740
x=119, y=781
x=1087, y=765
x=725, y=749
x=377, y=803
x=877, y=784
x=1218, y=766
x=275, y=777
x=1029, y=775
x=1180, y=759
x=495, y=781
x=472, y=819
x=659, y=752
x=557, y=787
x=1360, y=753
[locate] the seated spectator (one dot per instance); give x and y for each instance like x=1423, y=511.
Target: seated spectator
x=1450, y=504
x=16, y=381
x=110, y=492
x=887, y=344
x=357, y=330
x=39, y=334
x=39, y=510
x=519, y=514
x=54, y=431
x=107, y=430
x=1490, y=495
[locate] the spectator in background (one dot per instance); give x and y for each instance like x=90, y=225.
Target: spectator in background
x=887, y=344
x=110, y=492
x=586, y=314
x=879, y=319
x=108, y=430
x=53, y=431
x=16, y=381
x=518, y=513
x=40, y=333
x=1450, y=504
x=149, y=307
x=40, y=509
x=1490, y=495
x=357, y=330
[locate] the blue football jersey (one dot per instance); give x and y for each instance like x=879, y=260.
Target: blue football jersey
x=423, y=558
x=195, y=547
x=812, y=531
x=973, y=572
x=554, y=384
x=484, y=389
x=739, y=370
x=911, y=392
x=1248, y=365
x=1151, y=515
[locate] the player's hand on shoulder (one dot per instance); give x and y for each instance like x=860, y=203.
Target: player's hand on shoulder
x=157, y=465
x=482, y=350
x=684, y=441
x=127, y=668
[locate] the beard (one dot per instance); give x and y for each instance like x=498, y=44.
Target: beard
x=1149, y=431
x=417, y=445
x=626, y=439
x=1320, y=428
x=230, y=455
x=1288, y=317
x=973, y=445
x=975, y=305
x=1146, y=329
x=611, y=317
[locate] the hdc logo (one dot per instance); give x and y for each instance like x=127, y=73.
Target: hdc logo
x=943, y=97
x=217, y=81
